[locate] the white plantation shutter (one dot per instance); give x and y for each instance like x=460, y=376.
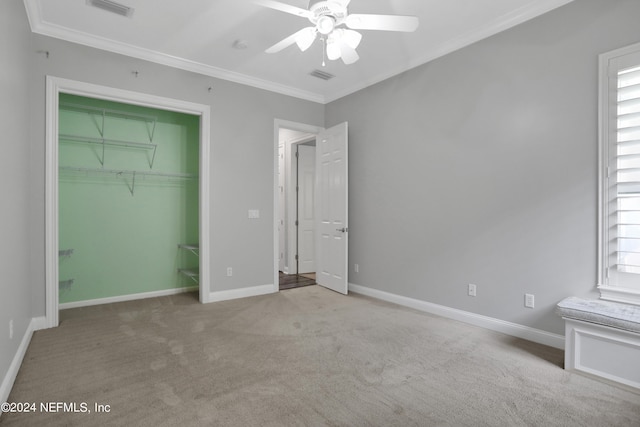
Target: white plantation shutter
x=620, y=190
x=628, y=171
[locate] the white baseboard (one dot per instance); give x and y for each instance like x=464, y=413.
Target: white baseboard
x=12, y=372
x=39, y=323
x=131, y=297
x=240, y=293
x=513, y=329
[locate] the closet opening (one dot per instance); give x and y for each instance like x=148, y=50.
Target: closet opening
x=127, y=201
x=127, y=196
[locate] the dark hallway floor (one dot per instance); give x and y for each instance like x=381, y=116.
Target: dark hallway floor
x=290, y=281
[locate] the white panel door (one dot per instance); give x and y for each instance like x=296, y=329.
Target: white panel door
x=306, y=209
x=331, y=208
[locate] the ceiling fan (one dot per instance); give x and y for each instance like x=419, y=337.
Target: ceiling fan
x=336, y=27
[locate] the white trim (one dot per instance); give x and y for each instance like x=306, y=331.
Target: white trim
x=603, y=341
x=502, y=23
x=619, y=294
x=609, y=63
x=300, y=127
x=39, y=323
x=38, y=25
x=513, y=329
x=241, y=293
x=130, y=297
x=14, y=367
x=55, y=86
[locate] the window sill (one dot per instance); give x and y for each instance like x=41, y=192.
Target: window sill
x=619, y=294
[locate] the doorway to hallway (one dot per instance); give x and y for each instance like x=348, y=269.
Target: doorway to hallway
x=296, y=208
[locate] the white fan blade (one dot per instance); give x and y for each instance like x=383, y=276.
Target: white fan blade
x=293, y=38
x=348, y=54
x=306, y=37
x=283, y=7
x=382, y=22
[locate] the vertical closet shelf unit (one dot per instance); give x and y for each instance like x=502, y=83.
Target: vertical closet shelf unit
x=191, y=273
x=103, y=113
x=65, y=284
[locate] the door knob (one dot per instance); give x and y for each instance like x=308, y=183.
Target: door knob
x=343, y=229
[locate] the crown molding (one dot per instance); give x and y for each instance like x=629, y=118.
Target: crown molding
x=44, y=28
x=533, y=9
x=502, y=23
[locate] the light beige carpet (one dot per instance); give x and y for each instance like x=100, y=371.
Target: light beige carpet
x=303, y=357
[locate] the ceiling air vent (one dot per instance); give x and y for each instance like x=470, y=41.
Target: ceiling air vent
x=111, y=6
x=321, y=75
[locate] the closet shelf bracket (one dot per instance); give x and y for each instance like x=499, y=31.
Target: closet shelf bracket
x=193, y=248
x=65, y=253
x=65, y=284
x=105, y=112
x=191, y=273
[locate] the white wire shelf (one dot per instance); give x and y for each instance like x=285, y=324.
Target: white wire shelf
x=133, y=174
x=191, y=273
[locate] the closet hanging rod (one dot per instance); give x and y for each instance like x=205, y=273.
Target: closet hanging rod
x=130, y=172
x=107, y=141
x=114, y=113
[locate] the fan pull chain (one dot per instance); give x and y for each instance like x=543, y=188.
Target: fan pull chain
x=324, y=49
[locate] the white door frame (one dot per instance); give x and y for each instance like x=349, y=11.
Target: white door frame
x=300, y=127
x=55, y=86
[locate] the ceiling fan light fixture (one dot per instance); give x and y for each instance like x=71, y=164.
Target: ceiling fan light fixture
x=333, y=49
x=326, y=24
x=306, y=38
x=351, y=38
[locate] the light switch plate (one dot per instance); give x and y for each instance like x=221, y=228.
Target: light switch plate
x=254, y=213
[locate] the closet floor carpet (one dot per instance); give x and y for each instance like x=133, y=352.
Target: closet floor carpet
x=305, y=357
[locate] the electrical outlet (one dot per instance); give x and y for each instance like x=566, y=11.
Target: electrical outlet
x=529, y=300
x=11, y=329
x=356, y=268
x=472, y=290
x=229, y=271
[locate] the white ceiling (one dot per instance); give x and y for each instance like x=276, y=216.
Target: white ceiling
x=198, y=35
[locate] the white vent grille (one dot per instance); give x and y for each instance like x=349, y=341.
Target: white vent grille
x=111, y=6
x=321, y=75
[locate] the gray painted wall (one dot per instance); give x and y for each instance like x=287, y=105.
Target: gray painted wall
x=15, y=289
x=242, y=152
x=481, y=167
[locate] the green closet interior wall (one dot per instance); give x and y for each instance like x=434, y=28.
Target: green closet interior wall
x=124, y=232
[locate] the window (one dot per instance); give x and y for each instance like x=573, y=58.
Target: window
x=620, y=175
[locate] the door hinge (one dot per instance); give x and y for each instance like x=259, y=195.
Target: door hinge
x=297, y=223
x=297, y=155
x=296, y=257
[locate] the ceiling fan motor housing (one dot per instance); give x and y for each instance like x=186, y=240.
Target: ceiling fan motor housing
x=332, y=8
